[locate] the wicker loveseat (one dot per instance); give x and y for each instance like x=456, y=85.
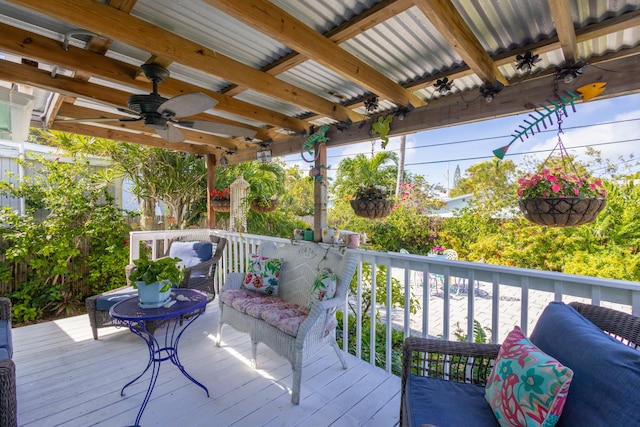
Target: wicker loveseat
x=200, y=254
x=8, y=403
x=284, y=322
x=443, y=382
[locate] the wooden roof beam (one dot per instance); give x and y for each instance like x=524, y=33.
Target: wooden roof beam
x=109, y=22
x=561, y=13
x=24, y=43
x=278, y=24
x=131, y=137
x=77, y=88
x=600, y=29
x=358, y=24
x=449, y=23
x=72, y=111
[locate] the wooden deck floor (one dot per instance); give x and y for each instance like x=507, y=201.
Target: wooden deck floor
x=65, y=378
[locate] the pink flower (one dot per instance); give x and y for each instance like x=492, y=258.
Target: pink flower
x=576, y=191
x=556, y=188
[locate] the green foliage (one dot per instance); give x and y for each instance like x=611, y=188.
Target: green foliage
x=480, y=335
x=82, y=237
x=397, y=291
x=266, y=180
x=175, y=178
x=149, y=271
x=380, y=170
x=397, y=338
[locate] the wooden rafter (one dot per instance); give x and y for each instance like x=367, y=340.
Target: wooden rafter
x=450, y=24
x=279, y=25
x=48, y=50
x=134, y=138
x=77, y=88
x=371, y=17
x=561, y=13
x=71, y=111
x=109, y=22
x=610, y=26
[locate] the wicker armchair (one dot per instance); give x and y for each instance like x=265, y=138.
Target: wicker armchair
x=471, y=363
x=200, y=276
x=8, y=401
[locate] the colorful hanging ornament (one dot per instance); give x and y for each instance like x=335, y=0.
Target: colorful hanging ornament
x=591, y=90
x=538, y=118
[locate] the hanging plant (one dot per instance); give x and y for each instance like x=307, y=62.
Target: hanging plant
x=560, y=197
x=220, y=200
x=371, y=202
x=555, y=198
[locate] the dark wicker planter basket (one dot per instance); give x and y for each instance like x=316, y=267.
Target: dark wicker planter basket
x=561, y=212
x=257, y=206
x=221, y=205
x=372, y=209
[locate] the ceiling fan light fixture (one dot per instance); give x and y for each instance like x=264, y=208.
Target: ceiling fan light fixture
x=489, y=92
x=156, y=122
x=568, y=71
x=527, y=61
x=443, y=85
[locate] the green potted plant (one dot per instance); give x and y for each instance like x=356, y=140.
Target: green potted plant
x=154, y=280
x=371, y=201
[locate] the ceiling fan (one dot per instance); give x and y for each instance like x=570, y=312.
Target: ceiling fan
x=163, y=114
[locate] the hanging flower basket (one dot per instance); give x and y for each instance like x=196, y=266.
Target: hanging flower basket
x=221, y=205
x=558, y=199
x=262, y=206
x=372, y=209
x=220, y=200
x=561, y=211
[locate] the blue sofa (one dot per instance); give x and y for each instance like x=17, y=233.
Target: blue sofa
x=603, y=390
x=8, y=402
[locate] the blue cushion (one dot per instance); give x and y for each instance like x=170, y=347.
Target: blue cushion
x=606, y=373
x=446, y=403
x=4, y=354
x=104, y=302
x=191, y=253
x=5, y=337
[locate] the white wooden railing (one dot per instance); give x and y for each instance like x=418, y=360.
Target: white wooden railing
x=498, y=297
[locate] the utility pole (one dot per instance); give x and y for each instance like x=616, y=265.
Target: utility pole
x=400, y=180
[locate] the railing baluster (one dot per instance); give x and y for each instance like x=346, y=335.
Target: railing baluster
x=529, y=282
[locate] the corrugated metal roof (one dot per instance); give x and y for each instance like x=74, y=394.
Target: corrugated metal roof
x=405, y=48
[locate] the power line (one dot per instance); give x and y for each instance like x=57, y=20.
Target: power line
x=522, y=153
x=491, y=138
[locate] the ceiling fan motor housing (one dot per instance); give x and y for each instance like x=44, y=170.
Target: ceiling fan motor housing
x=147, y=107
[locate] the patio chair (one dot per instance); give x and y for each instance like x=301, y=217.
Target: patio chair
x=200, y=254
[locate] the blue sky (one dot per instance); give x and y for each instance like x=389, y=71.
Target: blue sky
x=609, y=125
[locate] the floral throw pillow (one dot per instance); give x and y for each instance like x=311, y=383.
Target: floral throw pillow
x=324, y=286
x=263, y=274
x=527, y=387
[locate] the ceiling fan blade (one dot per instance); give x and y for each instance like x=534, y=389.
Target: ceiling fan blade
x=217, y=128
x=171, y=134
x=186, y=105
x=127, y=111
x=102, y=119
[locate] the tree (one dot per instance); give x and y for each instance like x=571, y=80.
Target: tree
x=175, y=178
